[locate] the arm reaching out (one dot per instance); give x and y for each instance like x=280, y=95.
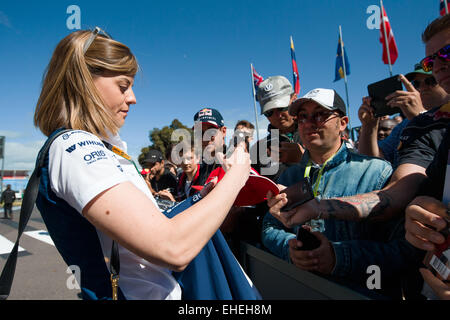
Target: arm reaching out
x=377, y=205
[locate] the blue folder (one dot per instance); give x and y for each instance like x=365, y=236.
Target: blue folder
x=214, y=274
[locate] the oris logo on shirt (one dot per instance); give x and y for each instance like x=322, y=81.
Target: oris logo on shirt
x=94, y=156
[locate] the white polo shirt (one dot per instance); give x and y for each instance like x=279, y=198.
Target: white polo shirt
x=80, y=168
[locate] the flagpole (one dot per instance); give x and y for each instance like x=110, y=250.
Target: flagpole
x=254, y=102
x=345, y=77
x=385, y=37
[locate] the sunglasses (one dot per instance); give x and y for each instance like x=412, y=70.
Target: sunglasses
x=427, y=62
x=430, y=81
x=317, y=117
x=92, y=37
x=269, y=113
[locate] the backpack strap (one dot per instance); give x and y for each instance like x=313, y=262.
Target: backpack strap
x=30, y=195
x=29, y=199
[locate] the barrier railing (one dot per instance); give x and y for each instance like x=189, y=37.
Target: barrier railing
x=278, y=280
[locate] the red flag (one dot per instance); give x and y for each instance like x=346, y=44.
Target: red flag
x=295, y=69
x=442, y=8
x=393, y=51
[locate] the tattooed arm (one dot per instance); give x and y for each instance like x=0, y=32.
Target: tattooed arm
x=356, y=207
x=377, y=205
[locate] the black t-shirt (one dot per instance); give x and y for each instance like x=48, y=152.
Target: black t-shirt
x=204, y=172
x=420, y=140
x=8, y=196
x=166, y=181
x=434, y=185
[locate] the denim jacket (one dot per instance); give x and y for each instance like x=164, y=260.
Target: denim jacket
x=357, y=245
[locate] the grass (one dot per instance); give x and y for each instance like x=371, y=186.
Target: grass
x=16, y=203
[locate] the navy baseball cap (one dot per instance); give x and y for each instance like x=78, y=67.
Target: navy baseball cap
x=209, y=115
x=153, y=156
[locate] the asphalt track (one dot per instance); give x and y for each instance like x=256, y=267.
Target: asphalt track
x=41, y=273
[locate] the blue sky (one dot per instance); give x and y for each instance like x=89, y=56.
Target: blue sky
x=195, y=54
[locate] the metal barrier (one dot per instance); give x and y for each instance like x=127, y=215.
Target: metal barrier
x=278, y=280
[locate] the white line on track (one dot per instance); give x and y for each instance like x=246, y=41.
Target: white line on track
x=41, y=235
x=6, y=246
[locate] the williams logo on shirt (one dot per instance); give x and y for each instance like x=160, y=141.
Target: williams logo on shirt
x=91, y=143
x=85, y=144
x=72, y=148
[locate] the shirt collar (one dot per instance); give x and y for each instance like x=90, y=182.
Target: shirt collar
x=115, y=140
x=339, y=157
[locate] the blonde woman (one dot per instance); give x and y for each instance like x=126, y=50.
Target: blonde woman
x=91, y=192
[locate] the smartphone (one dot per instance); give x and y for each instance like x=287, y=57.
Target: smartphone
x=240, y=136
x=310, y=241
x=298, y=194
x=378, y=91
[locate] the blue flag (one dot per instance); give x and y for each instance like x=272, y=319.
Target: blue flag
x=339, y=72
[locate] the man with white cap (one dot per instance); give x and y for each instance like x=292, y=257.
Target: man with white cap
x=347, y=248
x=274, y=96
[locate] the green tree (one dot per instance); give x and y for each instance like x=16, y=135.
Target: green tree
x=161, y=139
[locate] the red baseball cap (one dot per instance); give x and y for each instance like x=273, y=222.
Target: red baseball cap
x=253, y=192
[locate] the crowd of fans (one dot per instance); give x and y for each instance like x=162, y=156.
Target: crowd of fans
x=378, y=199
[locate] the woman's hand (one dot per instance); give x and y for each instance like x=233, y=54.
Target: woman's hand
x=238, y=162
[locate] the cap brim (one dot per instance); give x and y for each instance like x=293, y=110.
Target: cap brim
x=280, y=102
x=411, y=75
x=147, y=160
x=295, y=106
x=214, y=124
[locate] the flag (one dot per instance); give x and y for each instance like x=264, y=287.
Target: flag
x=257, y=79
x=339, y=73
x=393, y=51
x=442, y=8
x=296, y=81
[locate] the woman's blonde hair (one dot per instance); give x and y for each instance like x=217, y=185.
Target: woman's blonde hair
x=69, y=97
